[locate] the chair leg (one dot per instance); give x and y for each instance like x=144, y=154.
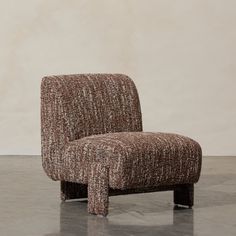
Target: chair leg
x=73, y=190
x=98, y=188
x=184, y=195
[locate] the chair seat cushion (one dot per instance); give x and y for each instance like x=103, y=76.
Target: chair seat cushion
x=135, y=159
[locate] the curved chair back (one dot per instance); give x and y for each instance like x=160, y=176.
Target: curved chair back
x=75, y=106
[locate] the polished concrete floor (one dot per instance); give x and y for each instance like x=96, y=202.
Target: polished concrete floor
x=30, y=205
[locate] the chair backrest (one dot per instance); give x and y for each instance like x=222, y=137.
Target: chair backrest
x=75, y=106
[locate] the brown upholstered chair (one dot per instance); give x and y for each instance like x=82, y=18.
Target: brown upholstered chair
x=92, y=141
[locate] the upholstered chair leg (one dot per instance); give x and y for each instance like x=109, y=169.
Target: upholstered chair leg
x=184, y=195
x=98, y=186
x=73, y=190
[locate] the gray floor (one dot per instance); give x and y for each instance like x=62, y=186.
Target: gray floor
x=30, y=205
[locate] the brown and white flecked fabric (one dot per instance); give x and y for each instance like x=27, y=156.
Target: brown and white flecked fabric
x=92, y=134
x=76, y=106
x=135, y=159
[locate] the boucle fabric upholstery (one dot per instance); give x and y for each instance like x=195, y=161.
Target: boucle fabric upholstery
x=142, y=159
x=76, y=106
x=92, y=141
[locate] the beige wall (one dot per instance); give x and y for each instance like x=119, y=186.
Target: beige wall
x=181, y=54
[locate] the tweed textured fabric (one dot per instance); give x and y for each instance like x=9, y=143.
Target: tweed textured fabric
x=98, y=187
x=76, y=106
x=135, y=159
x=92, y=141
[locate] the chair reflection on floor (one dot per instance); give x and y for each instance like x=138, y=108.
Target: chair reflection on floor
x=74, y=220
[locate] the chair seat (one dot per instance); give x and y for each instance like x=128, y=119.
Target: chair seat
x=135, y=159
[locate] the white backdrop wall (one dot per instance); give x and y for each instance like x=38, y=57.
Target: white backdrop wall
x=181, y=55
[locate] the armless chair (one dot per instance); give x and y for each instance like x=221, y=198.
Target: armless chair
x=92, y=141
